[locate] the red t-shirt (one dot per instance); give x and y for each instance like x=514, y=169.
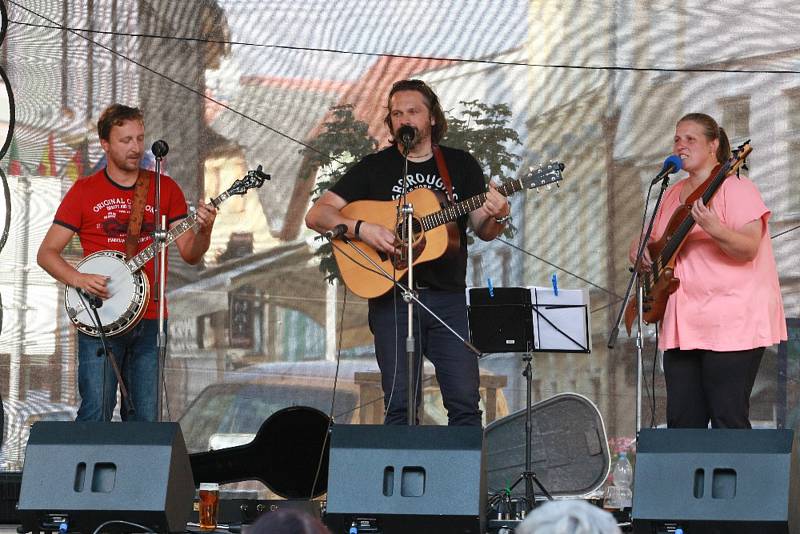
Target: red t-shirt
x=98, y=210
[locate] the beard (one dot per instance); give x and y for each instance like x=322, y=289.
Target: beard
x=127, y=163
x=420, y=135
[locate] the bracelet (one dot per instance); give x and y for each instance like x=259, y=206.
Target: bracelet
x=357, y=227
x=502, y=220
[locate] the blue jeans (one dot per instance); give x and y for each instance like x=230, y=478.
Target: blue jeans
x=456, y=367
x=136, y=354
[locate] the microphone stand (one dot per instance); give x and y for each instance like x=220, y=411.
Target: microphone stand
x=410, y=292
x=105, y=350
x=407, y=237
x=635, y=278
x=160, y=266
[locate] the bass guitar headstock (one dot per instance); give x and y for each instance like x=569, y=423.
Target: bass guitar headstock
x=740, y=157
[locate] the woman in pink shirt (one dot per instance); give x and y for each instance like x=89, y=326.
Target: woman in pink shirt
x=728, y=307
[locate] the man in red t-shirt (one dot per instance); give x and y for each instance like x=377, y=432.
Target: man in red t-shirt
x=98, y=209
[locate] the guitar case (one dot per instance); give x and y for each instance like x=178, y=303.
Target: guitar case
x=289, y=454
x=569, y=448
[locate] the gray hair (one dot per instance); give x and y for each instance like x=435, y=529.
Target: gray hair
x=568, y=517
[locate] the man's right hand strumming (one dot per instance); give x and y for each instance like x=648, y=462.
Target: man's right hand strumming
x=378, y=237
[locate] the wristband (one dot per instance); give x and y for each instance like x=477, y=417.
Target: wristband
x=357, y=227
x=502, y=220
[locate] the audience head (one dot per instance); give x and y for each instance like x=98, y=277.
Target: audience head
x=568, y=517
x=288, y=522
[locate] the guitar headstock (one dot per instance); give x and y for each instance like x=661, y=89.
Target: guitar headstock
x=739, y=160
x=543, y=175
x=254, y=178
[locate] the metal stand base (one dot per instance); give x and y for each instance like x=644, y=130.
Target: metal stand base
x=528, y=475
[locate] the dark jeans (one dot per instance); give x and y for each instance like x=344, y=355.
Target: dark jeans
x=456, y=367
x=704, y=385
x=136, y=354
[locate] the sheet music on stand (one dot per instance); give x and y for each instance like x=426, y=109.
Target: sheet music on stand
x=561, y=321
x=526, y=320
x=529, y=319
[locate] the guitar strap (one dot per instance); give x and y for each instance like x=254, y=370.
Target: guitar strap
x=137, y=213
x=437, y=153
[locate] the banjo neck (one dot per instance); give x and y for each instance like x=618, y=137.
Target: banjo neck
x=131, y=295
x=189, y=222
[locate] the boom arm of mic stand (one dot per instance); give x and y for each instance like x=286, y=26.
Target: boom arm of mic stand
x=123, y=391
x=412, y=295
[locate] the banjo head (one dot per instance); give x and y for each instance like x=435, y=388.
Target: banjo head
x=123, y=309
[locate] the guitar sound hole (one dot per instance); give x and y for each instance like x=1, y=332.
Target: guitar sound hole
x=416, y=229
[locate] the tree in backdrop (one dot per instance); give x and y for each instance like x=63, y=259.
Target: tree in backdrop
x=480, y=129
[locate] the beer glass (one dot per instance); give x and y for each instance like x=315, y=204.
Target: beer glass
x=209, y=503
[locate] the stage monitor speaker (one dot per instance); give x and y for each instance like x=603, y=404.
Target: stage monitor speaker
x=87, y=474
x=716, y=481
x=401, y=479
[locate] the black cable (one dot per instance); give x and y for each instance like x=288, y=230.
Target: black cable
x=7, y=200
x=95, y=318
x=201, y=94
x=333, y=394
x=652, y=390
x=122, y=522
x=553, y=265
x=653, y=380
x=779, y=234
x=455, y=59
x=773, y=237
x=388, y=402
x=425, y=381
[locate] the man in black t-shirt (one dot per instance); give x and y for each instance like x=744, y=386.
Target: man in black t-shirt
x=441, y=282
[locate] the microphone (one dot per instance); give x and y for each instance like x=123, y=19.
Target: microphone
x=160, y=148
x=93, y=300
x=406, y=134
x=336, y=231
x=671, y=165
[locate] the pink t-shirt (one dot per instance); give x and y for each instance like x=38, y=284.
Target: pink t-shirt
x=722, y=304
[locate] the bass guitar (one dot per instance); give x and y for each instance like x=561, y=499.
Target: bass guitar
x=434, y=231
x=127, y=282
x=660, y=282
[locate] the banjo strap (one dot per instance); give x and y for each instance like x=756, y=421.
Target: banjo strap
x=137, y=213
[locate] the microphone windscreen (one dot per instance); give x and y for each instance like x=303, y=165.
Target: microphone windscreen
x=673, y=161
x=160, y=148
x=406, y=134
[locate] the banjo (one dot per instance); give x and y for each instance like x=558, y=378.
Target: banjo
x=127, y=283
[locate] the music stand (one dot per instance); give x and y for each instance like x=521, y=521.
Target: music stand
x=501, y=320
x=527, y=320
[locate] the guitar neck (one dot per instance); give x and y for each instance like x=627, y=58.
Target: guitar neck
x=674, y=243
x=453, y=212
x=189, y=222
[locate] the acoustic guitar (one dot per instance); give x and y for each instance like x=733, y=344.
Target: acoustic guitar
x=434, y=231
x=660, y=282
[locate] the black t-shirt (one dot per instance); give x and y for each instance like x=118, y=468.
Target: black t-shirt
x=379, y=176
